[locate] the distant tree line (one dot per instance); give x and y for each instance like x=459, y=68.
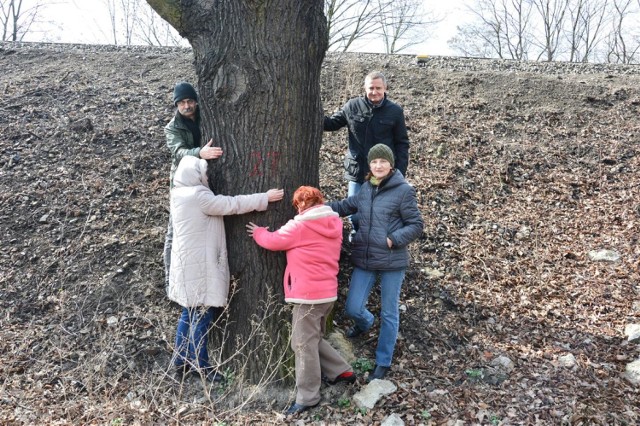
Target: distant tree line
x=552, y=30
x=539, y=30
x=396, y=24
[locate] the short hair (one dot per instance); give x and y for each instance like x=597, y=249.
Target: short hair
x=376, y=74
x=308, y=196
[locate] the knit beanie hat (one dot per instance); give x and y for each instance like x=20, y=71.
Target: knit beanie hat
x=381, y=151
x=184, y=90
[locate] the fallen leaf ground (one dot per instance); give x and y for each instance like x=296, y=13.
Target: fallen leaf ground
x=520, y=169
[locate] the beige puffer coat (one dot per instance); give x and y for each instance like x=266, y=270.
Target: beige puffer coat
x=199, y=267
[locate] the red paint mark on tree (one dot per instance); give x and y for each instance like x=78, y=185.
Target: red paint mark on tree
x=256, y=161
x=260, y=163
x=274, y=160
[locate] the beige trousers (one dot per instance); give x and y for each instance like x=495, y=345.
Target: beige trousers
x=314, y=355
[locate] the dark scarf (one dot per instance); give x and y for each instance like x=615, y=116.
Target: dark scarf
x=194, y=128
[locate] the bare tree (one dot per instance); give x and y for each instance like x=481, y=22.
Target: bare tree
x=587, y=18
x=403, y=25
x=129, y=10
x=152, y=30
x=483, y=37
x=517, y=29
x=17, y=18
x=501, y=29
x=258, y=72
x=473, y=40
x=135, y=22
x=552, y=14
x=113, y=18
x=622, y=45
x=352, y=20
x=123, y=15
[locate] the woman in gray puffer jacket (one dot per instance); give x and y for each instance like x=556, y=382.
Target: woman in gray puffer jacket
x=389, y=221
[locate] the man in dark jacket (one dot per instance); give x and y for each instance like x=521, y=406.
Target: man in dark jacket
x=183, y=138
x=371, y=119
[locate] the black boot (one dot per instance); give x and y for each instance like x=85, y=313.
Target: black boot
x=213, y=376
x=180, y=372
x=378, y=373
x=299, y=408
x=353, y=332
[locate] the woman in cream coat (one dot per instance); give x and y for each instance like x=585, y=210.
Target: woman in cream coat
x=199, y=277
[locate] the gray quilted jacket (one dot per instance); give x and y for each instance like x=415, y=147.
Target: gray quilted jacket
x=389, y=210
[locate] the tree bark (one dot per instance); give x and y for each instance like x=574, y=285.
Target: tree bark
x=258, y=68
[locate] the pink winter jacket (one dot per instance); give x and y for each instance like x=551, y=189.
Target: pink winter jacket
x=312, y=240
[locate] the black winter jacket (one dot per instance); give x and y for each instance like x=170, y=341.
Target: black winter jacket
x=389, y=210
x=370, y=125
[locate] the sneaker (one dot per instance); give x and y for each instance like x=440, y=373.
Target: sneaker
x=346, y=377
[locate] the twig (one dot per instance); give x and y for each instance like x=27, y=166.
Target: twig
x=64, y=77
x=486, y=270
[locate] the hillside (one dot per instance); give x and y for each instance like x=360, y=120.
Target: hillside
x=522, y=170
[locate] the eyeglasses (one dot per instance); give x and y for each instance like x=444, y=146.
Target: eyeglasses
x=186, y=102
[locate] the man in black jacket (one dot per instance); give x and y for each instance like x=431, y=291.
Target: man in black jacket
x=371, y=119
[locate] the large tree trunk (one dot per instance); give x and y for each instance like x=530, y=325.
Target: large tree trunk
x=258, y=66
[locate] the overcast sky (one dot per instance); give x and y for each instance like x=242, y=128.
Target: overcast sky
x=87, y=21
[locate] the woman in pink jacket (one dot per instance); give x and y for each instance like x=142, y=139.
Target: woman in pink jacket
x=312, y=240
x=199, y=277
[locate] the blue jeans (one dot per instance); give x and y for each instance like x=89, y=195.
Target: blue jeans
x=362, y=282
x=191, y=337
x=353, y=189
